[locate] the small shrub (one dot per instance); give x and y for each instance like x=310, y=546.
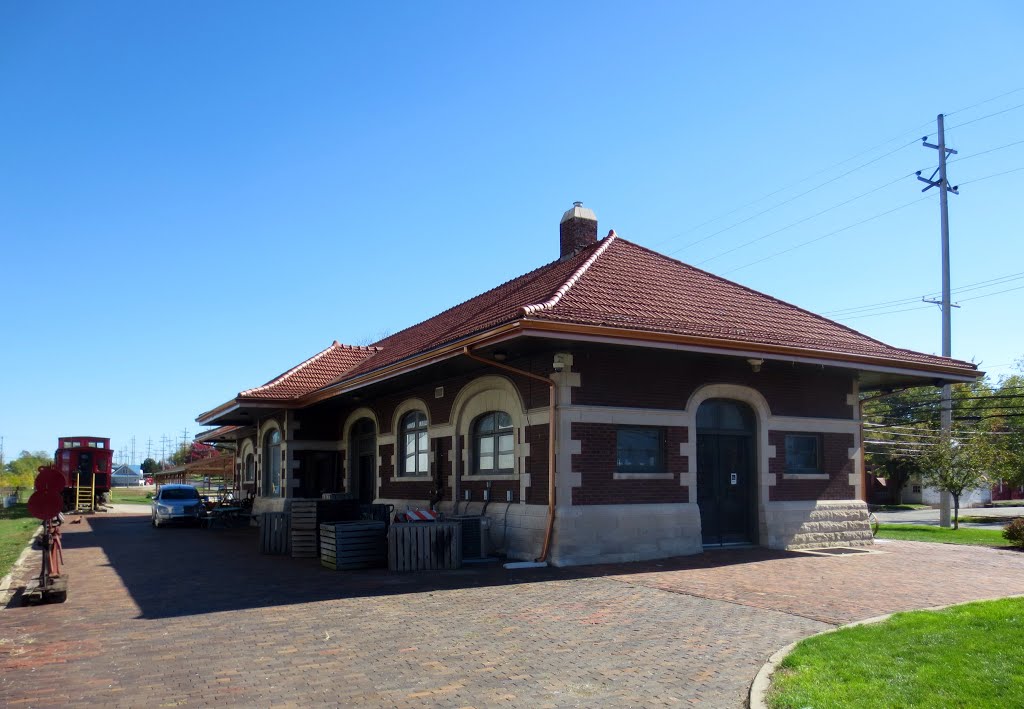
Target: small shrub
x=1014, y=532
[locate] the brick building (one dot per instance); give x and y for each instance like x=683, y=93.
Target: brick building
x=612, y=405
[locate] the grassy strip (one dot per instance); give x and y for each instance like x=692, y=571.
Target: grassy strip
x=898, y=508
x=966, y=656
x=983, y=519
x=16, y=528
x=131, y=495
x=925, y=533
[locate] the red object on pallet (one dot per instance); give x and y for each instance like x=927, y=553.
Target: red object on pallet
x=413, y=514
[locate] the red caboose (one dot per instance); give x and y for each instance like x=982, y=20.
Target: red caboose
x=85, y=463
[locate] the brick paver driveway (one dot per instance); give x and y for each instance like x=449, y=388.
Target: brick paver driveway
x=197, y=617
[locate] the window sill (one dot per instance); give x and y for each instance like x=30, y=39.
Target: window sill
x=805, y=476
x=410, y=478
x=643, y=476
x=472, y=476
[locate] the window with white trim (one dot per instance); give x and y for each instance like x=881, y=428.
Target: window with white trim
x=493, y=444
x=415, y=445
x=272, y=464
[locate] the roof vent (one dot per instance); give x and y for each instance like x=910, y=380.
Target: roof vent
x=576, y=231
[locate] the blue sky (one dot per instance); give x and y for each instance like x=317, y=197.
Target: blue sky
x=196, y=196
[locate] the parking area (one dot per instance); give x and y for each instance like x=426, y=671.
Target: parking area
x=195, y=617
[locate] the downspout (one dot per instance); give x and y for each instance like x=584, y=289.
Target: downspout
x=551, y=441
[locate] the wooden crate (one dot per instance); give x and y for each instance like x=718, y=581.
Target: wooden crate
x=274, y=536
x=303, y=529
x=352, y=545
x=424, y=546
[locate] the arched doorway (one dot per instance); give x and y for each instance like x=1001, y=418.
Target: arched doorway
x=363, y=459
x=726, y=472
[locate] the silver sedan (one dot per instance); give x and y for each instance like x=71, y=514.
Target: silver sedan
x=177, y=503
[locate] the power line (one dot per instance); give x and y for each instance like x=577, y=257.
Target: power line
x=988, y=100
x=961, y=158
x=923, y=307
x=837, y=164
x=791, y=199
x=801, y=221
x=863, y=221
x=831, y=233
x=970, y=286
x=990, y=115
x=840, y=312
x=989, y=177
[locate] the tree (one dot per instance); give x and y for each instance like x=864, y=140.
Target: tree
x=957, y=464
x=189, y=453
x=149, y=466
x=22, y=471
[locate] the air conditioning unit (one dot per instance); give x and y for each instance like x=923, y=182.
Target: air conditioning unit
x=475, y=541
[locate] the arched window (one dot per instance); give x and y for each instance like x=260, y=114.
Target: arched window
x=250, y=468
x=493, y=444
x=272, y=464
x=415, y=446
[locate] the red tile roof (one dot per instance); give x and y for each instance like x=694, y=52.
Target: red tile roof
x=316, y=372
x=631, y=287
x=616, y=283
x=611, y=284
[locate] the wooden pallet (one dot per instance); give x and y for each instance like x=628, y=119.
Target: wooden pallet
x=352, y=545
x=274, y=536
x=424, y=546
x=304, y=529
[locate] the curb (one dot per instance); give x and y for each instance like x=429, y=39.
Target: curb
x=762, y=680
x=5, y=582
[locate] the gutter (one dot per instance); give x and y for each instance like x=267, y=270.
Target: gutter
x=551, y=442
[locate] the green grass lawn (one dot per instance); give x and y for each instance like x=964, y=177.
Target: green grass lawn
x=966, y=656
x=982, y=519
x=898, y=508
x=16, y=528
x=924, y=533
x=130, y=495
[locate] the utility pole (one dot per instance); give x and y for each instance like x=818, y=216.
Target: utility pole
x=942, y=183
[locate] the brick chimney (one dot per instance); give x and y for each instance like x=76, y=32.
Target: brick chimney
x=576, y=231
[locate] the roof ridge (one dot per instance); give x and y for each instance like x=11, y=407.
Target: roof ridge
x=301, y=365
x=573, y=279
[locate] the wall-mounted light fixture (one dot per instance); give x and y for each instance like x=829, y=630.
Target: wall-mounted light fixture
x=499, y=356
x=755, y=363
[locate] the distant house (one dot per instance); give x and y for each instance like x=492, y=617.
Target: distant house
x=614, y=404
x=127, y=476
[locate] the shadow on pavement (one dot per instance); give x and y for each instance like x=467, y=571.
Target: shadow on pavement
x=173, y=572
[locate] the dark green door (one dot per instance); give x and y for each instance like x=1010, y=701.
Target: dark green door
x=726, y=483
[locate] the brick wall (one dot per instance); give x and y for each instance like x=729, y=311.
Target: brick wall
x=665, y=379
x=597, y=464
x=835, y=462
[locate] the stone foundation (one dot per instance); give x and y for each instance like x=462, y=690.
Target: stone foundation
x=823, y=523
x=593, y=534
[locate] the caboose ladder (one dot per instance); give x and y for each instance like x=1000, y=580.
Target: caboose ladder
x=85, y=497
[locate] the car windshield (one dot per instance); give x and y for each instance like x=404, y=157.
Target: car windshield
x=179, y=493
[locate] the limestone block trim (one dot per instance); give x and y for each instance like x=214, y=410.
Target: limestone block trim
x=626, y=416
x=643, y=476
x=813, y=425
x=316, y=445
x=410, y=478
